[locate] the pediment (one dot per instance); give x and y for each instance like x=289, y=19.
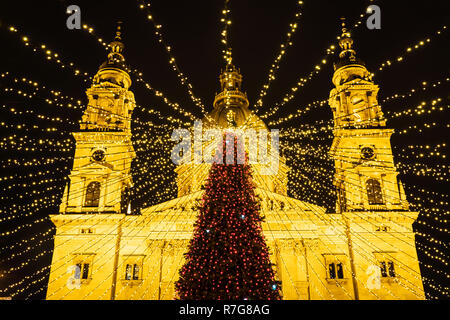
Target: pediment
x=98, y=167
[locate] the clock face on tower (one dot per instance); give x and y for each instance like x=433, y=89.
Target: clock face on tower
x=98, y=155
x=367, y=153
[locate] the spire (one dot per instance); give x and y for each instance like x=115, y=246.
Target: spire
x=119, y=31
x=114, y=69
x=115, y=55
x=348, y=54
x=346, y=43
x=117, y=45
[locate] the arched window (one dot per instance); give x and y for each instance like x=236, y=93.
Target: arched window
x=374, y=192
x=92, y=194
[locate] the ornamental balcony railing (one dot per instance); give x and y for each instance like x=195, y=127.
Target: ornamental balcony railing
x=239, y=96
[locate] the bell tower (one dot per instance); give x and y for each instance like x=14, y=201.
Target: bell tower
x=100, y=179
x=366, y=177
x=370, y=197
x=96, y=201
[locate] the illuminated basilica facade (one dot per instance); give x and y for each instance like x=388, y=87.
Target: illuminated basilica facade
x=365, y=250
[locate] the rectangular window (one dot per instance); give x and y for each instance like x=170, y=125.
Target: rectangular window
x=132, y=271
x=335, y=264
x=78, y=271
x=332, y=271
x=335, y=270
x=132, y=267
x=340, y=271
x=391, y=269
x=85, y=273
x=387, y=269
x=83, y=263
x=136, y=272
x=128, y=272
x=82, y=271
x=383, y=269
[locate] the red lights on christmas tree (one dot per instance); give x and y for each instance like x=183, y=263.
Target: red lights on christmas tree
x=228, y=258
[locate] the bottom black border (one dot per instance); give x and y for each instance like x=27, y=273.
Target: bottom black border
x=219, y=310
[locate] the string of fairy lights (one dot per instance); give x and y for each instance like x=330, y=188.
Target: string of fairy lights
x=94, y=241
x=145, y=6
x=302, y=81
x=50, y=55
x=411, y=49
x=327, y=239
x=424, y=108
x=154, y=185
x=354, y=183
x=283, y=51
x=138, y=74
x=292, y=94
x=224, y=35
x=301, y=111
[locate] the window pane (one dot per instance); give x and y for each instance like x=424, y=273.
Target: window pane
x=383, y=269
x=136, y=272
x=391, y=269
x=78, y=271
x=92, y=194
x=340, y=271
x=374, y=194
x=128, y=272
x=85, y=271
x=332, y=270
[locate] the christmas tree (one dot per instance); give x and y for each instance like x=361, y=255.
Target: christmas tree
x=228, y=258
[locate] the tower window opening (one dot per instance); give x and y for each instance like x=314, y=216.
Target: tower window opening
x=335, y=270
x=92, y=194
x=82, y=271
x=374, y=194
x=132, y=272
x=387, y=269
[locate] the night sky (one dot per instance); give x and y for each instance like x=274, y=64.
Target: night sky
x=192, y=29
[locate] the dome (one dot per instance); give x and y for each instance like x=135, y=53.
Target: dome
x=231, y=104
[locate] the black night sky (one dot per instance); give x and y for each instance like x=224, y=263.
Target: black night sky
x=192, y=29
